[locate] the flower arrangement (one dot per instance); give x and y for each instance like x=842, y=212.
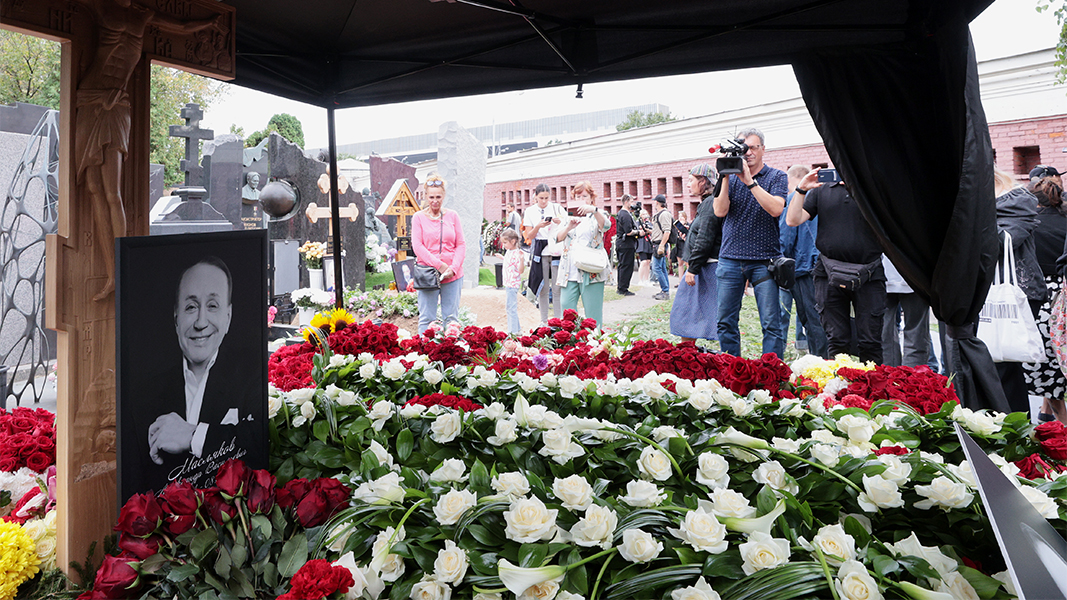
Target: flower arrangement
x=378, y=255
x=272, y=312
x=313, y=253
x=244, y=537
x=381, y=304
x=18, y=558
x=312, y=298
x=491, y=236
x=543, y=479
x=27, y=439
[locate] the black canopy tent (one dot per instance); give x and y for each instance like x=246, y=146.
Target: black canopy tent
x=892, y=86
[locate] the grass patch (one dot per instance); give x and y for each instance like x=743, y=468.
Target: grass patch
x=486, y=276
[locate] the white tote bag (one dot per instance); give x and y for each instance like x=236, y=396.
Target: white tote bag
x=1006, y=324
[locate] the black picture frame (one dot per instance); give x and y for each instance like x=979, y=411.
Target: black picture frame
x=150, y=363
x=401, y=276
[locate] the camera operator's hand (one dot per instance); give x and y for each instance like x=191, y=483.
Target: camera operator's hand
x=746, y=174
x=810, y=181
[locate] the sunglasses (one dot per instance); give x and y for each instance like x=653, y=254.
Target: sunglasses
x=435, y=183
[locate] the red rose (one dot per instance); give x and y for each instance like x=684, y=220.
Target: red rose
x=337, y=493
x=1056, y=448
x=895, y=450
x=219, y=510
x=311, y=511
x=9, y=463
x=22, y=424
x=588, y=323
x=46, y=444
x=180, y=498
x=142, y=548
x=292, y=492
x=114, y=579
x=261, y=491
x=570, y=314
x=1052, y=429
x=1033, y=467
x=232, y=478
x=38, y=461
x=568, y=325
x=140, y=516
x=561, y=337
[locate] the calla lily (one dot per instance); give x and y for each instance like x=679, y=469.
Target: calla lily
x=518, y=579
x=522, y=407
x=921, y=593
x=733, y=436
x=763, y=523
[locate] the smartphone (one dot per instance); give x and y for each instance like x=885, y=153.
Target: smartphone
x=548, y=219
x=828, y=176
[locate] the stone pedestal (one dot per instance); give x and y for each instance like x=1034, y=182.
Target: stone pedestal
x=461, y=163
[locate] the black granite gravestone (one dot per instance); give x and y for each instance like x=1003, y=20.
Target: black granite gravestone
x=156, y=183
x=224, y=176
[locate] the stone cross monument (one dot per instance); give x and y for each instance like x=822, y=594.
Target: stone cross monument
x=194, y=173
x=107, y=49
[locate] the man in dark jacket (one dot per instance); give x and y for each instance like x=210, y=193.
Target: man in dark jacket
x=846, y=244
x=627, y=233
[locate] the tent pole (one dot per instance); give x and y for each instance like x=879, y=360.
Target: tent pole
x=335, y=211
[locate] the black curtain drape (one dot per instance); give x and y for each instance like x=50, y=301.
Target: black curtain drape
x=905, y=126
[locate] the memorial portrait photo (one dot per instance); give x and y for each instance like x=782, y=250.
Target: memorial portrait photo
x=191, y=357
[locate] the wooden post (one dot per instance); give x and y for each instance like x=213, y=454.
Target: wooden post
x=107, y=50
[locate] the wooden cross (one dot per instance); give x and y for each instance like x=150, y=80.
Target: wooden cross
x=194, y=173
x=107, y=49
x=315, y=212
x=401, y=203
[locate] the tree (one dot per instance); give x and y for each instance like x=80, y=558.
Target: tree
x=285, y=124
x=637, y=118
x=1061, y=45
x=171, y=90
x=29, y=70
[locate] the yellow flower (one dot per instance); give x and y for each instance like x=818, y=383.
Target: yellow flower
x=325, y=323
x=826, y=370
x=18, y=558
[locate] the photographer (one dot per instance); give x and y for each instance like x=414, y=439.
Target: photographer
x=749, y=205
x=627, y=231
x=849, y=275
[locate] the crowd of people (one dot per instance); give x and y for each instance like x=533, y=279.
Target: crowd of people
x=849, y=297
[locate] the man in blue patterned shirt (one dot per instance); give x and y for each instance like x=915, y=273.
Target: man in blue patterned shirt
x=749, y=205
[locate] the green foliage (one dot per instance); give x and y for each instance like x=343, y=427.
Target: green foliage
x=29, y=70
x=637, y=118
x=1060, y=12
x=286, y=125
x=171, y=90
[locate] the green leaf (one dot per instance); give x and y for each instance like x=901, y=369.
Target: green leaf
x=854, y=528
x=985, y=585
x=884, y=565
x=294, y=555
x=203, y=543
x=918, y=567
x=239, y=555
x=484, y=536
x=183, y=572
x=405, y=442
x=223, y=563
x=641, y=585
x=791, y=580
x=321, y=430
x=532, y=555
x=479, y=476
x=726, y=565
x=262, y=524
x=689, y=556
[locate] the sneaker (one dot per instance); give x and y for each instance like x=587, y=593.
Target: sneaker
x=627, y=293
x=662, y=296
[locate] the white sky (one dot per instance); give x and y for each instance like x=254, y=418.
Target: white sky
x=1006, y=28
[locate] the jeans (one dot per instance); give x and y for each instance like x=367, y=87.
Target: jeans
x=659, y=272
x=916, y=349
x=511, y=304
x=804, y=296
x=448, y=295
x=732, y=275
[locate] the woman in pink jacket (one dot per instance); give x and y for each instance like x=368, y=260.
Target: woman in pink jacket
x=437, y=238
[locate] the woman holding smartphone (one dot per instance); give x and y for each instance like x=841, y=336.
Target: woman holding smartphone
x=585, y=229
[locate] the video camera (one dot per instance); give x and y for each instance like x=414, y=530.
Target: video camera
x=734, y=151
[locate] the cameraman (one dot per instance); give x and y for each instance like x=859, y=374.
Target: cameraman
x=749, y=205
x=850, y=259
x=627, y=231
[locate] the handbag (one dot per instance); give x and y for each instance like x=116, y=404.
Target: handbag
x=784, y=271
x=590, y=260
x=1006, y=324
x=426, y=277
x=848, y=276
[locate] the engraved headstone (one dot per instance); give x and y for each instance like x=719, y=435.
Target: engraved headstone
x=156, y=182
x=461, y=163
x=252, y=216
x=224, y=176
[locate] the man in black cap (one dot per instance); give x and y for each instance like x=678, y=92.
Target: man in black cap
x=627, y=232
x=1041, y=172
x=662, y=223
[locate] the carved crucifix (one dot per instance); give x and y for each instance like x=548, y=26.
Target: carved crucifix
x=107, y=48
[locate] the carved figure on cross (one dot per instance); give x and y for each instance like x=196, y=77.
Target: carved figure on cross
x=194, y=173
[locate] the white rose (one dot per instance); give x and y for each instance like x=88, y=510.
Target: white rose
x=945, y=493
x=528, y=521
x=366, y=371
x=713, y=470
x=274, y=404
x=857, y=428
x=382, y=411
x=394, y=369
x=837, y=545
x=741, y=406
x=596, y=528
x=298, y=397
x=702, y=401
x=307, y=413
x=527, y=383
x=724, y=397
x=451, y=564
x=383, y=456
x=565, y=595
x=384, y=490
x=786, y=445
x=773, y=474
x=348, y=398
x=1009, y=469
x=654, y=464
x=560, y=446
x=574, y=491
x=931, y=554
x=390, y=566
x=446, y=427
x=825, y=453
x=452, y=469
x=513, y=484
x=979, y=422
x=701, y=530
x=639, y=546
x=880, y=493
x=452, y=505
x=495, y=411
x=700, y=591
x=760, y=397
x=728, y=503
x=855, y=583
x=642, y=494
x=433, y=376
x=827, y=437
x=545, y=590
x=683, y=387
x=1041, y=502
x=430, y=589
x=410, y=411
x=570, y=385
x=761, y=551
x=549, y=380
x=963, y=472
x=340, y=360
x=505, y=431
x=666, y=432
x=956, y=584
x=606, y=388
x=896, y=470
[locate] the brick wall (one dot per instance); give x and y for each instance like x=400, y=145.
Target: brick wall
x=1018, y=146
